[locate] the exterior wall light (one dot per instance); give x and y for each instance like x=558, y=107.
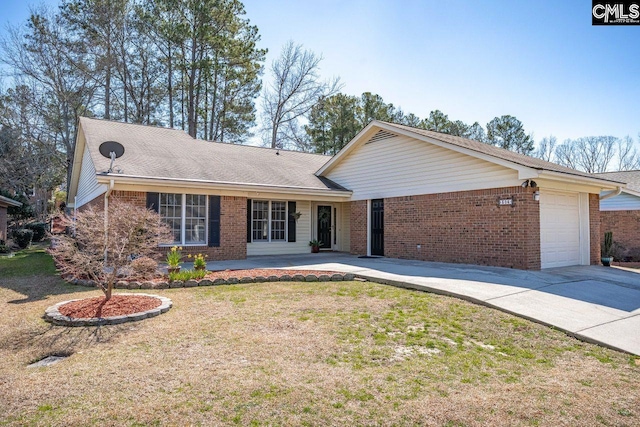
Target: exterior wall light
x=536, y=196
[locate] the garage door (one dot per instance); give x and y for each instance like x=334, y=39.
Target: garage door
x=559, y=229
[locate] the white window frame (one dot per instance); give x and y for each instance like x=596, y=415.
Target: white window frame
x=270, y=221
x=183, y=220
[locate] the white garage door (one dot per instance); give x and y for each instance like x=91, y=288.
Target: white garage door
x=559, y=229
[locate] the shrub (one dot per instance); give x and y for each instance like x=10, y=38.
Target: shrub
x=185, y=275
x=39, y=230
x=131, y=230
x=144, y=267
x=4, y=249
x=23, y=237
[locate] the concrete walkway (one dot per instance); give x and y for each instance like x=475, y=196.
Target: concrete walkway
x=594, y=303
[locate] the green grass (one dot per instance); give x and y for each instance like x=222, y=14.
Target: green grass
x=185, y=275
x=323, y=353
x=33, y=261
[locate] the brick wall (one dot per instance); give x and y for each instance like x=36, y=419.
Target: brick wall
x=595, y=228
x=233, y=225
x=3, y=223
x=358, y=228
x=625, y=226
x=460, y=227
x=97, y=203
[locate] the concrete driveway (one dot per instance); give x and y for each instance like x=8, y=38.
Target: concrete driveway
x=594, y=303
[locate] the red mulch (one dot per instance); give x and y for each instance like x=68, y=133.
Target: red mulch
x=262, y=272
x=118, y=305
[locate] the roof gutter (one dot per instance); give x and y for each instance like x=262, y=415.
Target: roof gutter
x=605, y=183
x=233, y=186
x=610, y=194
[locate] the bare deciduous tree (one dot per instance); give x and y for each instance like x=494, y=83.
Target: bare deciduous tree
x=101, y=248
x=546, y=149
x=295, y=88
x=591, y=154
x=628, y=158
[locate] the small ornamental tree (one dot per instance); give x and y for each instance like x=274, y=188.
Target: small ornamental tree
x=100, y=253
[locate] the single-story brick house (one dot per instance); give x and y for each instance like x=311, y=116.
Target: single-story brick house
x=393, y=190
x=5, y=203
x=621, y=214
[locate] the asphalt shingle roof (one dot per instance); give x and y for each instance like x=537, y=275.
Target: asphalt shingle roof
x=498, y=152
x=632, y=178
x=156, y=152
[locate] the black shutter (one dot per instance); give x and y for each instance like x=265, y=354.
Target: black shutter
x=214, y=221
x=291, y=225
x=248, y=220
x=153, y=201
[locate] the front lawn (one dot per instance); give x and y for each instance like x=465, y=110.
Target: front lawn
x=331, y=353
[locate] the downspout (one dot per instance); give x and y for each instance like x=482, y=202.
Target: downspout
x=610, y=194
x=106, y=217
x=75, y=213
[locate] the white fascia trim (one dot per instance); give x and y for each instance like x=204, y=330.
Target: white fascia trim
x=198, y=183
x=347, y=148
x=9, y=202
x=78, y=153
x=632, y=192
x=577, y=179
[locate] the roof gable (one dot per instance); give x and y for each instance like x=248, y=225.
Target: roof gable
x=528, y=167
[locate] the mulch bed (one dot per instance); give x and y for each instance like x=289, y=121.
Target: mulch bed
x=118, y=305
x=122, y=305
x=261, y=272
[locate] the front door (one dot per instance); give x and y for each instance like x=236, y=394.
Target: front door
x=324, y=226
x=377, y=227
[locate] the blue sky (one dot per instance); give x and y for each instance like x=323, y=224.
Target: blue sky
x=541, y=61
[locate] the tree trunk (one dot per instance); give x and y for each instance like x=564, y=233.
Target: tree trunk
x=109, y=291
x=170, y=84
x=191, y=106
x=107, y=81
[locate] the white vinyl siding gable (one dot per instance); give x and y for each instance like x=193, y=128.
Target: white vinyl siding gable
x=403, y=166
x=622, y=202
x=88, y=186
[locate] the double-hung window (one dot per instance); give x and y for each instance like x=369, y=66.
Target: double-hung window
x=186, y=216
x=268, y=221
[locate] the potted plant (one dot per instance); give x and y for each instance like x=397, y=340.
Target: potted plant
x=199, y=263
x=174, y=259
x=315, y=246
x=607, y=244
x=296, y=215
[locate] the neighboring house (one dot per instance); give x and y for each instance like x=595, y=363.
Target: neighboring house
x=5, y=202
x=620, y=214
x=393, y=190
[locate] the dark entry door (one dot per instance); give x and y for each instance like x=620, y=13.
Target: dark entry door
x=324, y=226
x=377, y=227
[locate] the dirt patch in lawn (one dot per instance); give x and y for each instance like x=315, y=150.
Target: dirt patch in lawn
x=118, y=305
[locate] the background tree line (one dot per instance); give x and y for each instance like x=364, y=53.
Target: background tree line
x=196, y=65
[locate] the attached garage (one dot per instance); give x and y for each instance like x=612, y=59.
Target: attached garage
x=560, y=229
x=450, y=199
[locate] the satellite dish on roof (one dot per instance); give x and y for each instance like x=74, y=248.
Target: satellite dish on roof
x=111, y=150
x=108, y=147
